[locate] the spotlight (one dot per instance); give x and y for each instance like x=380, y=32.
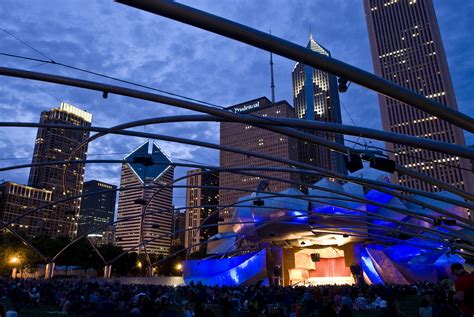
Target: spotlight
x=259, y=203
x=449, y=222
x=105, y=94
x=315, y=257
x=345, y=236
x=302, y=243
x=382, y=164
x=343, y=84
x=437, y=222
x=353, y=162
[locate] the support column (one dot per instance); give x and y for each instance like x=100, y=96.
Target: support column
x=107, y=271
x=49, y=270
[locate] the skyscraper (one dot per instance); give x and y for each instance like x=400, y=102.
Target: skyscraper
x=98, y=210
x=56, y=144
x=247, y=137
x=407, y=49
x=316, y=97
x=144, y=182
x=16, y=199
x=201, y=202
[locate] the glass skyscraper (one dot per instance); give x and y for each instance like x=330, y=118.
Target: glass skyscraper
x=407, y=49
x=56, y=144
x=143, y=182
x=316, y=97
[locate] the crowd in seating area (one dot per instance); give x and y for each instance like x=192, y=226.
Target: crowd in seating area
x=85, y=298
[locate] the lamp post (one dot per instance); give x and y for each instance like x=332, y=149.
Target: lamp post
x=14, y=262
x=179, y=268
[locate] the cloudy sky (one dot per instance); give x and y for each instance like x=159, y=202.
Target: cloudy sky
x=123, y=42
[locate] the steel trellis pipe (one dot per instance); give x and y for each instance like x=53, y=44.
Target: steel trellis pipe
x=137, y=216
x=242, y=33
x=353, y=198
x=201, y=108
x=289, y=162
x=259, y=155
x=248, y=168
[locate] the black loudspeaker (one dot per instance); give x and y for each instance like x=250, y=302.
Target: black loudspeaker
x=355, y=270
x=353, y=162
x=277, y=270
x=315, y=257
x=383, y=164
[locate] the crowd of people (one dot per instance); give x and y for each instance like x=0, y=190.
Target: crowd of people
x=82, y=297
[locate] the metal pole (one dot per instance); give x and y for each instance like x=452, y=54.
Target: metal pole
x=197, y=107
x=242, y=33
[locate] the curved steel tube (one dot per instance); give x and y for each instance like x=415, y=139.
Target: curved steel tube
x=201, y=108
x=301, y=54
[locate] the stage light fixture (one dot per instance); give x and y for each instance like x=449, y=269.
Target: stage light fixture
x=382, y=164
x=343, y=84
x=258, y=203
x=353, y=162
x=449, y=222
x=315, y=257
x=437, y=222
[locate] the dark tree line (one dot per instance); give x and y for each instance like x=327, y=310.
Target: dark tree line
x=80, y=254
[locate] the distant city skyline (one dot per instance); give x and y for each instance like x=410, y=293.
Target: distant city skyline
x=168, y=55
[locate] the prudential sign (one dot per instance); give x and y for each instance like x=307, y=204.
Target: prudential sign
x=246, y=107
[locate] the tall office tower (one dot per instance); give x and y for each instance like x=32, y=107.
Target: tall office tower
x=178, y=226
x=16, y=199
x=202, y=200
x=316, y=97
x=407, y=49
x=246, y=137
x=98, y=210
x=143, y=184
x=56, y=144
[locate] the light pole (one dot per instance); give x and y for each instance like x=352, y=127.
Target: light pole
x=14, y=262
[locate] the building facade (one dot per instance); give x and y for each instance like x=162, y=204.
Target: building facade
x=202, y=200
x=98, y=210
x=316, y=97
x=178, y=228
x=249, y=138
x=142, y=185
x=407, y=49
x=16, y=199
x=56, y=144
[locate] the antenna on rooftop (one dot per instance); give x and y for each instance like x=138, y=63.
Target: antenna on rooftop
x=272, y=82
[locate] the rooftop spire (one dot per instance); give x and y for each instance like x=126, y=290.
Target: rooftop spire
x=272, y=82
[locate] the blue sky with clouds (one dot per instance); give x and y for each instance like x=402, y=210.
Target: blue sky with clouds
x=120, y=41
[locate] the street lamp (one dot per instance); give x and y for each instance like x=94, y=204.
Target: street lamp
x=14, y=260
